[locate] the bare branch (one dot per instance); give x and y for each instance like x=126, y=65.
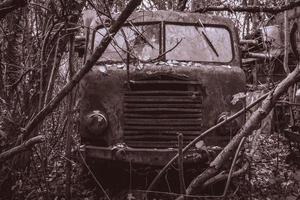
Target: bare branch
x=246, y=130
x=202, y=135
x=88, y=65
x=21, y=148
x=251, y=9
x=181, y=5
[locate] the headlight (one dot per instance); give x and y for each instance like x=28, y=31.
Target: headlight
x=96, y=122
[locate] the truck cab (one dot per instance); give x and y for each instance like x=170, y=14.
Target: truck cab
x=165, y=73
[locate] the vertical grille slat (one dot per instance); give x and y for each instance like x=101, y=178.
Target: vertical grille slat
x=155, y=111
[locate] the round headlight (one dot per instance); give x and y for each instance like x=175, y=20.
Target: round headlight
x=96, y=122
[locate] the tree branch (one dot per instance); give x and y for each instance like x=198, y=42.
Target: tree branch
x=8, y=6
x=202, y=135
x=23, y=147
x=88, y=65
x=251, y=9
x=181, y=5
x=250, y=125
x=222, y=177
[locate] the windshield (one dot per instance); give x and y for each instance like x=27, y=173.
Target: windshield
x=194, y=43
x=142, y=43
x=182, y=42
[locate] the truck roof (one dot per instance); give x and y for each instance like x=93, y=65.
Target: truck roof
x=184, y=17
x=170, y=16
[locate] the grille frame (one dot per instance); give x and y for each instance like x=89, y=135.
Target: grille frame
x=156, y=110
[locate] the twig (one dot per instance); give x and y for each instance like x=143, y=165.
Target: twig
x=39, y=5
x=164, y=53
x=251, y=124
x=181, y=5
x=251, y=9
x=25, y=146
x=221, y=177
x=93, y=175
x=51, y=79
x=20, y=78
x=232, y=166
x=180, y=164
x=85, y=69
x=97, y=10
x=205, y=133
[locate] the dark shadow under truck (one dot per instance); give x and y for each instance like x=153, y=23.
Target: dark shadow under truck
x=183, y=70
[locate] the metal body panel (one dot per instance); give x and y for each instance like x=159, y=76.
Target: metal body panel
x=154, y=157
x=106, y=92
x=108, y=88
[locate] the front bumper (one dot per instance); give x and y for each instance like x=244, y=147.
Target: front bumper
x=152, y=157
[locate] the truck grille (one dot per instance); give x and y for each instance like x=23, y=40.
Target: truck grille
x=155, y=111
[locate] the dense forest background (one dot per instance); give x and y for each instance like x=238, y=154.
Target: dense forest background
x=38, y=158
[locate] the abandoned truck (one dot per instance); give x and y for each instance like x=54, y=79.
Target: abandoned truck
x=165, y=73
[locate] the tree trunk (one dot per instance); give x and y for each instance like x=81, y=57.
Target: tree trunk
x=70, y=103
x=80, y=74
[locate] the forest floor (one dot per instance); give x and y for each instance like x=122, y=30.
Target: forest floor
x=274, y=173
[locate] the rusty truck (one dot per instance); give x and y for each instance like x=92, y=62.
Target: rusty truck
x=165, y=73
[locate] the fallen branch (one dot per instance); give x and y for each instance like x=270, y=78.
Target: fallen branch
x=250, y=9
x=21, y=148
x=251, y=125
x=232, y=166
x=222, y=177
x=202, y=135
